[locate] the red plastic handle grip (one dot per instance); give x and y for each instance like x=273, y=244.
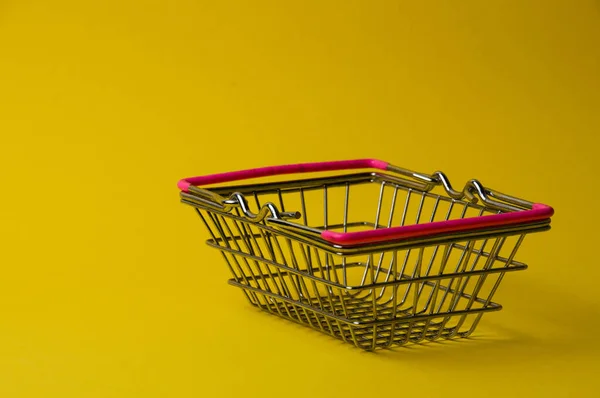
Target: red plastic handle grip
x=539, y=212
x=185, y=184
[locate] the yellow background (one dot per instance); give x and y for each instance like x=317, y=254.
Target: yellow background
x=106, y=286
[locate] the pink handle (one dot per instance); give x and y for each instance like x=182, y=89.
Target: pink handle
x=537, y=213
x=185, y=184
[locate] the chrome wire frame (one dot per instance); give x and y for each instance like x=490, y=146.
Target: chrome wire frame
x=371, y=296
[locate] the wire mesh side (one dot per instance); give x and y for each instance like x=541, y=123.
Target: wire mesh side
x=387, y=298
x=371, y=300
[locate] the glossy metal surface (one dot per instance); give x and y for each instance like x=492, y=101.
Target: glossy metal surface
x=371, y=296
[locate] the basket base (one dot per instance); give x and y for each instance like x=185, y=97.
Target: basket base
x=381, y=333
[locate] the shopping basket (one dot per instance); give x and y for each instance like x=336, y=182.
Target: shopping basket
x=373, y=254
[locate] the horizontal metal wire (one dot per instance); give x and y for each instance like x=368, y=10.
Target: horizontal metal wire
x=491, y=307
x=406, y=279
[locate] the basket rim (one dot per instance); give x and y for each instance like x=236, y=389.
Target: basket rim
x=517, y=211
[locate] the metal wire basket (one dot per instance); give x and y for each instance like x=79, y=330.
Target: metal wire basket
x=374, y=255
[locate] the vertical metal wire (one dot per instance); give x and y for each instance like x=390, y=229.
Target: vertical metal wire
x=281, y=204
x=389, y=224
x=303, y=206
x=305, y=220
x=434, y=293
x=381, y=192
x=346, y=199
x=325, y=208
x=332, y=266
x=346, y=313
x=420, y=209
x=394, y=299
x=406, y=203
x=315, y=290
x=329, y=297
x=373, y=294
x=299, y=286
x=380, y=262
x=495, y=287
x=402, y=275
x=415, y=296
x=408, y=252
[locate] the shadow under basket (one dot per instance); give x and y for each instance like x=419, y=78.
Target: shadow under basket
x=374, y=255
